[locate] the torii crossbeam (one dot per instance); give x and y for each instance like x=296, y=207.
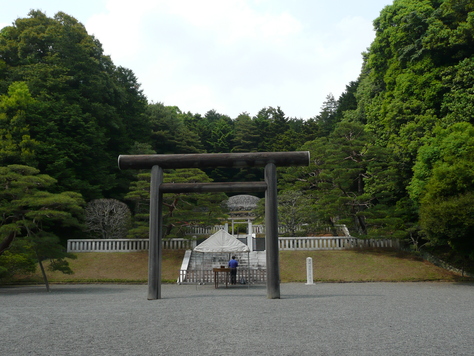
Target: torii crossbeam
x=269, y=160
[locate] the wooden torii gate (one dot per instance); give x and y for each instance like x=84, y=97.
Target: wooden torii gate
x=268, y=160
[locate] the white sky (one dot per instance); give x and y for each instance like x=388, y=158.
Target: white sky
x=233, y=56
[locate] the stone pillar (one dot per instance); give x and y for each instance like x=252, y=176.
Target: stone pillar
x=309, y=271
x=250, y=235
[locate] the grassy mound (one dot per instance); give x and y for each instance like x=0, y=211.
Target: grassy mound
x=329, y=266
x=360, y=266
x=118, y=267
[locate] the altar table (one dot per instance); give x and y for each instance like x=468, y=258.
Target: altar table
x=216, y=276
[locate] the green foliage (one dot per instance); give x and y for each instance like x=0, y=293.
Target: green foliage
x=347, y=101
x=32, y=220
x=294, y=210
x=414, y=90
x=335, y=176
x=221, y=136
x=16, y=144
x=139, y=196
x=450, y=35
x=443, y=185
x=18, y=259
x=445, y=165
x=327, y=117
x=418, y=57
x=184, y=209
x=458, y=102
x=169, y=134
x=82, y=111
x=246, y=136
x=179, y=210
x=450, y=221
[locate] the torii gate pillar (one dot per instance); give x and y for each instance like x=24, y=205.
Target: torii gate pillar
x=271, y=233
x=155, y=234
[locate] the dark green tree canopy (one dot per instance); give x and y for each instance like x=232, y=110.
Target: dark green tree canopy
x=415, y=89
x=169, y=133
x=87, y=110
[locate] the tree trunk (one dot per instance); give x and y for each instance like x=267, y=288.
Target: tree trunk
x=45, y=278
x=5, y=244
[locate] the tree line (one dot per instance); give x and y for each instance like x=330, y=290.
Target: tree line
x=392, y=156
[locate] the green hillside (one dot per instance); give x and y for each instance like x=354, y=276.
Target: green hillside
x=329, y=266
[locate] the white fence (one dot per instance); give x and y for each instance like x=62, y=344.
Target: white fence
x=284, y=243
x=125, y=245
x=333, y=243
x=203, y=230
x=256, y=229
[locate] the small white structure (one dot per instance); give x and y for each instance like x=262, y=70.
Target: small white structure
x=309, y=271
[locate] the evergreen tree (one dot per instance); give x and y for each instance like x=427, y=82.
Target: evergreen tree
x=271, y=124
x=335, y=177
x=169, y=133
x=33, y=220
x=347, y=101
x=246, y=136
x=86, y=112
x=328, y=116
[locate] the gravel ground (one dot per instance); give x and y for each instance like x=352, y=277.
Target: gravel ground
x=320, y=319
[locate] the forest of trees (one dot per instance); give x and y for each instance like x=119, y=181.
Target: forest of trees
x=393, y=156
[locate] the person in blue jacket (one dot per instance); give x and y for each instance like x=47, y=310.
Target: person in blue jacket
x=233, y=264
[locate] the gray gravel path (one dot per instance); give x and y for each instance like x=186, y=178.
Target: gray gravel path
x=321, y=319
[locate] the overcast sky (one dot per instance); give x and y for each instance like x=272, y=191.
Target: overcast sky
x=233, y=56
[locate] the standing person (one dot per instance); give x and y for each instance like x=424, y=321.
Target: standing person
x=233, y=270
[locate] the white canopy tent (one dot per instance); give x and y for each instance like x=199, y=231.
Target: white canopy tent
x=223, y=242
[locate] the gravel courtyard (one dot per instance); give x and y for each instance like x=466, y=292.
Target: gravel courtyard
x=321, y=319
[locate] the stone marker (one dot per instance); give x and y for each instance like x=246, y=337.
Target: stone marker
x=309, y=271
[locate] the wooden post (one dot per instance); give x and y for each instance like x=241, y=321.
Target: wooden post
x=155, y=234
x=271, y=233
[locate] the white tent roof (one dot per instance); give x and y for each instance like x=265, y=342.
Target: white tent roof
x=221, y=241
